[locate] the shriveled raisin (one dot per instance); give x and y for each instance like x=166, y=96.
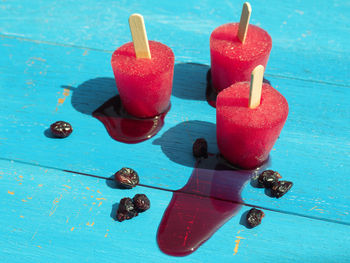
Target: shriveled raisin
x=127, y=177
x=126, y=209
x=254, y=217
x=61, y=129
x=200, y=148
x=141, y=202
x=280, y=188
x=268, y=178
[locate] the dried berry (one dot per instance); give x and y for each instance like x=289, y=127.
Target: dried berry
x=141, y=202
x=61, y=129
x=126, y=209
x=268, y=178
x=280, y=188
x=254, y=217
x=127, y=177
x=200, y=148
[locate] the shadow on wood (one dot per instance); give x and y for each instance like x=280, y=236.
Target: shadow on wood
x=176, y=143
x=114, y=211
x=92, y=93
x=190, y=81
x=49, y=134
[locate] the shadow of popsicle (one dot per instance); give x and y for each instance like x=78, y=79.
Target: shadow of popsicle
x=91, y=94
x=190, y=81
x=176, y=143
x=97, y=95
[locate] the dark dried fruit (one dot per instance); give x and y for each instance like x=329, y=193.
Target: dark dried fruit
x=141, y=202
x=280, y=188
x=254, y=217
x=268, y=178
x=126, y=209
x=61, y=129
x=200, y=148
x=127, y=177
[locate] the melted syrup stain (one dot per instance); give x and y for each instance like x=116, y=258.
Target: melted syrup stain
x=211, y=92
x=208, y=200
x=124, y=127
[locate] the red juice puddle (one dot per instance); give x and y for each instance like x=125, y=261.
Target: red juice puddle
x=210, y=198
x=124, y=127
x=211, y=92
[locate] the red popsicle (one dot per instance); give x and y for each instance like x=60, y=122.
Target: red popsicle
x=236, y=49
x=143, y=73
x=247, y=131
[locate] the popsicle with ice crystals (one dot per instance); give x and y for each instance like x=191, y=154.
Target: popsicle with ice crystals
x=249, y=119
x=143, y=72
x=236, y=49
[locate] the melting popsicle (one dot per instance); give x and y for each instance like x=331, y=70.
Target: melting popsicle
x=249, y=119
x=143, y=72
x=236, y=49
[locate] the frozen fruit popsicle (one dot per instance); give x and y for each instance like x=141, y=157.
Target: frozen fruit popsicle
x=249, y=124
x=236, y=49
x=143, y=72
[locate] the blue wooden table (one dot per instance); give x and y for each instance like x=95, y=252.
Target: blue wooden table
x=55, y=202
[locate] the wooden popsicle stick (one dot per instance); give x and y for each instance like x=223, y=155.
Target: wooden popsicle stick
x=139, y=36
x=244, y=22
x=256, y=82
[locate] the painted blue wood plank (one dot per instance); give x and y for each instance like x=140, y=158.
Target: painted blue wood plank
x=52, y=216
x=313, y=150
x=309, y=42
x=42, y=83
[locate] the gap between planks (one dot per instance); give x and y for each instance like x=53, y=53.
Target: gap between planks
x=169, y=190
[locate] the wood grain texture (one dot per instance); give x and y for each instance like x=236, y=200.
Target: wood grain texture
x=313, y=148
x=307, y=43
x=256, y=82
x=55, y=65
x=139, y=36
x=244, y=22
x=53, y=216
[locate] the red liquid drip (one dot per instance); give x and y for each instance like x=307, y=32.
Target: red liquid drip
x=208, y=200
x=123, y=127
